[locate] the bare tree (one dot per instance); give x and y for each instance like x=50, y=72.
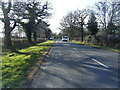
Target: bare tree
x=108, y=14
x=8, y=25
x=67, y=25
x=102, y=13
x=73, y=23
x=32, y=12
x=114, y=12
x=80, y=16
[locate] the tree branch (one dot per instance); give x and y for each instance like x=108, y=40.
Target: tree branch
x=3, y=7
x=9, y=6
x=2, y=19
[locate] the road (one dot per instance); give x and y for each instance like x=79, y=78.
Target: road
x=70, y=65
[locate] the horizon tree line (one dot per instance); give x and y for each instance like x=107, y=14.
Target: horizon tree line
x=103, y=17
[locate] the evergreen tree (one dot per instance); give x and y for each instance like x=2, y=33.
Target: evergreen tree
x=92, y=24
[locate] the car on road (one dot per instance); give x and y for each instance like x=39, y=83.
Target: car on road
x=65, y=38
x=51, y=38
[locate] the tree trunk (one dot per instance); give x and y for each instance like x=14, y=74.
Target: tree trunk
x=8, y=29
x=81, y=33
x=7, y=39
x=35, y=36
x=28, y=34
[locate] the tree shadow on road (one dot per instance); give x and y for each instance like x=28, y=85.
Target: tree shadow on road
x=103, y=77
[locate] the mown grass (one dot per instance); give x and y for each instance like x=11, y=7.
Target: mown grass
x=97, y=46
x=15, y=65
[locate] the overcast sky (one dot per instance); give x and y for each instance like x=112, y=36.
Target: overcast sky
x=62, y=7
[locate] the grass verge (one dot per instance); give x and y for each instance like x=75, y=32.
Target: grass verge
x=16, y=65
x=97, y=46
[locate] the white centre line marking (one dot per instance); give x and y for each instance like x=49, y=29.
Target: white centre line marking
x=100, y=63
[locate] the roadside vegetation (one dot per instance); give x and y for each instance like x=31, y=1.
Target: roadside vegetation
x=96, y=46
x=16, y=65
x=25, y=29
x=97, y=26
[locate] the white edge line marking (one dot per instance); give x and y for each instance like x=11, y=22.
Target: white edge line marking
x=100, y=63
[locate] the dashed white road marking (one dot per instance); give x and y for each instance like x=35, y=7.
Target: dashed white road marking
x=100, y=63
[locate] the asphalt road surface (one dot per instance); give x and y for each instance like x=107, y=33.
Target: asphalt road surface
x=70, y=65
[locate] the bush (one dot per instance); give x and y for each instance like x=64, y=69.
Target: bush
x=94, y=40
x=101, y=37
x=88, y=38
x=91, y=39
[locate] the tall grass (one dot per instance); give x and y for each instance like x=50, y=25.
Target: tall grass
x=15, y=65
